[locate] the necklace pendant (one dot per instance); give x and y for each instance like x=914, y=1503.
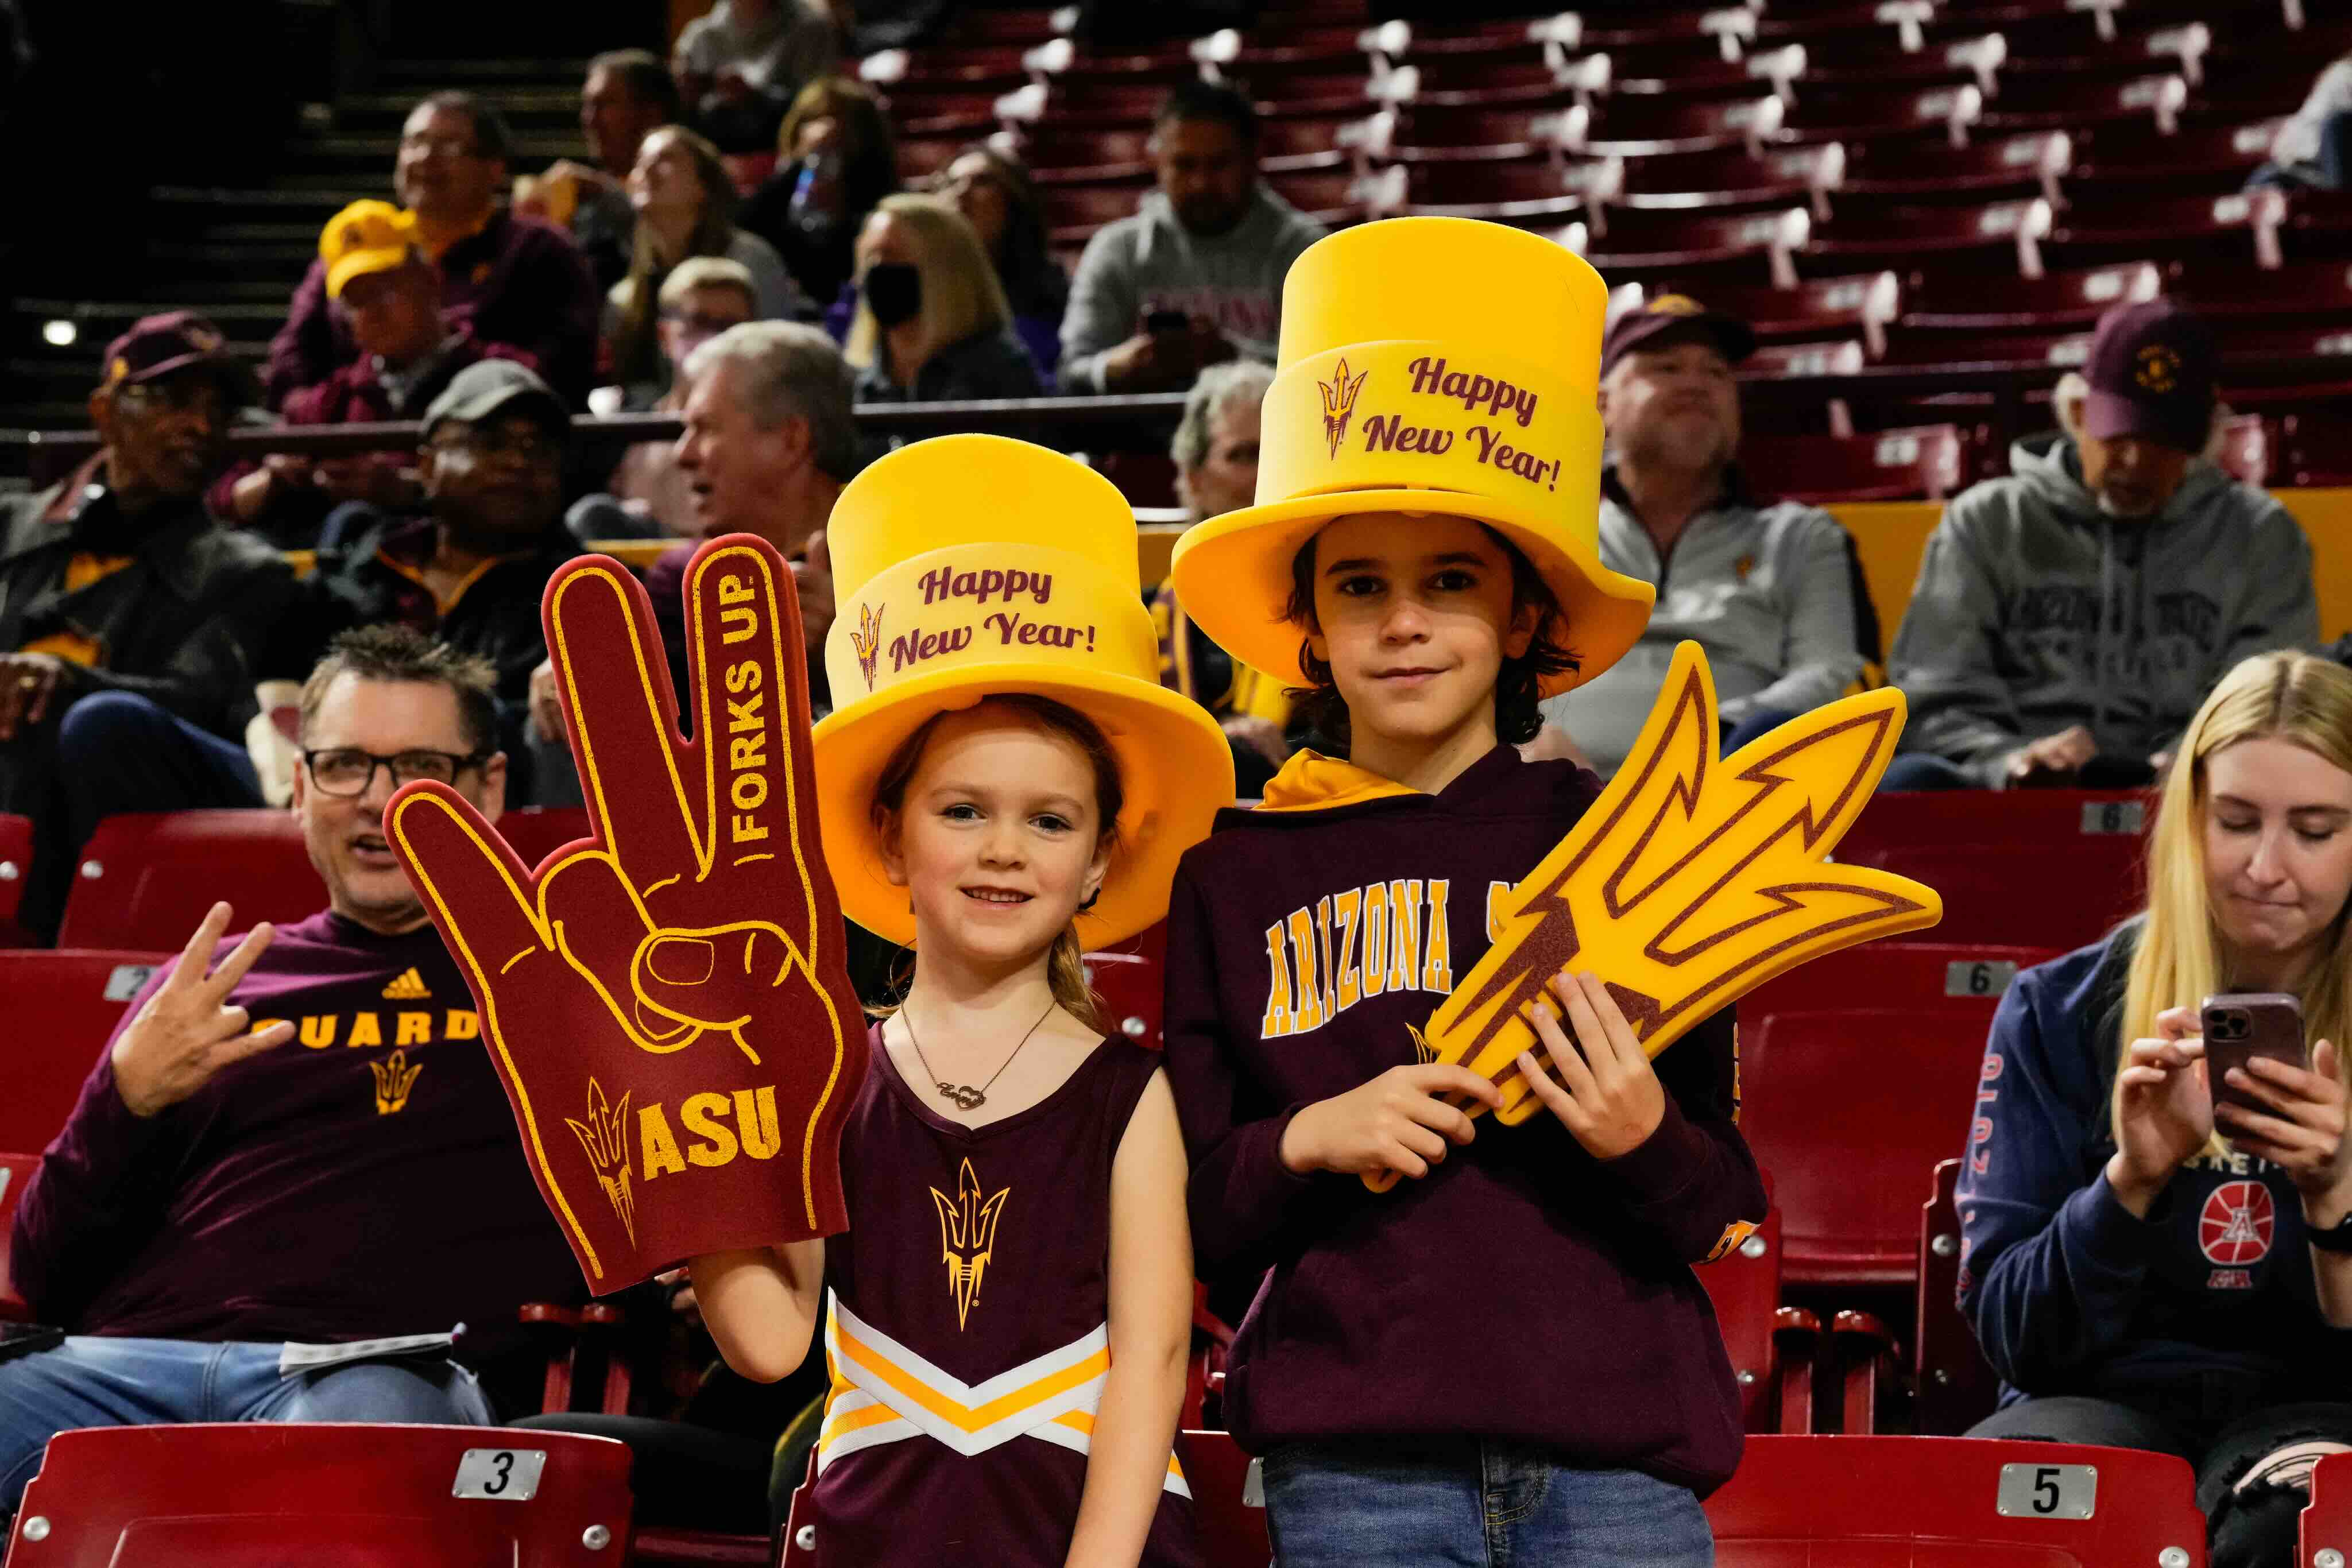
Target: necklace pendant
x=965, y=1096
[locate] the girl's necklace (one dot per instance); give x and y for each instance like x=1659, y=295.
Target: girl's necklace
x=965, y=1097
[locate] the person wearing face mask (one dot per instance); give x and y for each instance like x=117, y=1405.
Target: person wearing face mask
x=932, y=324
x=2067, y=619
x=2148, y=1264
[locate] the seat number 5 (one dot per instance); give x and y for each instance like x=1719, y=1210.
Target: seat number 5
x=502, y=1475
x=2047, y=1492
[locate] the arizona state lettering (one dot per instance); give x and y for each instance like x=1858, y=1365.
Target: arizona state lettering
x=320, y=1031
x=1361, y=942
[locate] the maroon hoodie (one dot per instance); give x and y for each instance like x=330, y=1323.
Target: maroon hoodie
x=1522, y=1290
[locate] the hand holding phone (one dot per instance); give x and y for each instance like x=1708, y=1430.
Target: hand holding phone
x=2241, y=1026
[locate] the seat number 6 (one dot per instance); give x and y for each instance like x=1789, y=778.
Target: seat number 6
x=2047, y=1492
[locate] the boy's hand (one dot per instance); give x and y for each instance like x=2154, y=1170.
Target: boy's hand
x=1397, y=1121
x=1612, y=1101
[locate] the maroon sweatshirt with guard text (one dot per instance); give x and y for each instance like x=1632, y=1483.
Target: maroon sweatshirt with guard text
x=1522, y=1290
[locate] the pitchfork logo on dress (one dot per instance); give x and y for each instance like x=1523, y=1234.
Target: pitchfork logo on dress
x=2234, y=1228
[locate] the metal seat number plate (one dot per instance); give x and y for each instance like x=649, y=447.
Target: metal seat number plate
x=503, y=1475
x=2047, y=1492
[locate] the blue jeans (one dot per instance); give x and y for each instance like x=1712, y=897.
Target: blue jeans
x=92, y=1381
x=1476, y=1503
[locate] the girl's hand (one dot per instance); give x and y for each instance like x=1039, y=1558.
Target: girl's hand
x=2162, y=1111
x=1395, y=1123
x=2302, y=1129
x=1612, y=1101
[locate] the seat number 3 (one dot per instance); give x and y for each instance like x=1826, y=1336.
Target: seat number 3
x=502, y=1475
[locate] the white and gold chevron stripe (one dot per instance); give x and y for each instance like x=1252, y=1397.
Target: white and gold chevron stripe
x=885, y=1393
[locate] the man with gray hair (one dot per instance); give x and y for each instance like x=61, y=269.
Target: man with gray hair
x=1216, y=452
x=770, y=441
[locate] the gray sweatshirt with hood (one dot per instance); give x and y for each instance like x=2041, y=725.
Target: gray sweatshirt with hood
x=2035, y=611
x=1151, y=262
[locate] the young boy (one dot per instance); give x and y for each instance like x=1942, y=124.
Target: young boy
x=1510, y=1343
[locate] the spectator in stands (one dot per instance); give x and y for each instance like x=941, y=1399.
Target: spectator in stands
x=1195, y=276
x=770, y=440
x=471, y=569
x=222, y=1209
x=686, y=207
x=118, y=593
x=932, y=324
x=647, y=495
x=2147, y=1265
x=2313, y=149
x=389, y=297
x=1000, y=201
x=742, y=63
x=513, y=280
x=2068, y=619
x=629, y=94
x=1770, y=589
x=838, y=160
x=1215, y=450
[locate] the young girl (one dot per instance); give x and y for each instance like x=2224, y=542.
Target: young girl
x=1011, y=1308
x=1511, y=1342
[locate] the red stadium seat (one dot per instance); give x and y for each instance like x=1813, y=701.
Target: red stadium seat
x=1823, y=359
x=2038, y=868
x=2237, y=225
x=266, y=1493
x=1858, y=59
x=61, y=1007
x=1859, y=1073
x=16, y=860
x=1424, y=135
x=1986, y=169
x=1924, y=463
x=986, y=25
x=1753, y=250
x=1225, y=1501
x=2327, y=1526
x=1954, y=1387
x=16, y=1170
x=1814, y=310
x=1527, y=195
x=1337, y=196
x=1734, y=181
x=148, y=879
x=1950, y=1502
x=2194, y=158
x=1073, y=213
x=1863, y=114
x=2054, y=302
x=1771, y=1347
x=1643, y=128
x=1995, y=239
x=2066, y=103
x=1129, y=979
x=1062, y=154
x=2315, y=447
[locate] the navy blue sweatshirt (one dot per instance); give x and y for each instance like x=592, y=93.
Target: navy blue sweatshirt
x=1522, y=1290
x=2068, y=1292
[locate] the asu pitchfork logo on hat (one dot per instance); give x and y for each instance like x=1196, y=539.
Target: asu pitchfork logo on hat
x=1339, y=403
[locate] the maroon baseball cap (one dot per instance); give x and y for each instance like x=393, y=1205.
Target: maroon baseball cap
x=1645, y=324
x=175, y=340
x=2151, y=375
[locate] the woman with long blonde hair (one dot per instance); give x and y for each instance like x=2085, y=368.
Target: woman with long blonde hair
x=2148, y=1265
x=932, y=323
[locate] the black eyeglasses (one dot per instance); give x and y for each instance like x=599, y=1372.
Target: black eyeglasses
x=346, y=770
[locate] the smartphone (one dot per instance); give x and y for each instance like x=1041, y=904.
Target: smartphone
x=1167, y=323
x=2241, y=1026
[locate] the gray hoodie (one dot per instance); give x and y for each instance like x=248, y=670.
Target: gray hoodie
x=1151, y=262
x=2034, y=612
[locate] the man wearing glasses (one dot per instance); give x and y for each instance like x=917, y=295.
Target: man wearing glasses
x=514, y=281
x=295, y=1141
x=126, y=611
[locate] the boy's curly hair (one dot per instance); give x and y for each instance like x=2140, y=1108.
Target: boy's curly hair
x=1517, y=686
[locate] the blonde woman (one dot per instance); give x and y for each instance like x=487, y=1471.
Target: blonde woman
x=932, y=324
x=2144, y=1269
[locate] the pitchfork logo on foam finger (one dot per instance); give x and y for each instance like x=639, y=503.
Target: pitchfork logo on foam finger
x=679, y=973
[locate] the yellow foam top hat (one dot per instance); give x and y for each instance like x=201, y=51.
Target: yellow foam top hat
x=365, y=237
x=970, y=566
x=1428, y=365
